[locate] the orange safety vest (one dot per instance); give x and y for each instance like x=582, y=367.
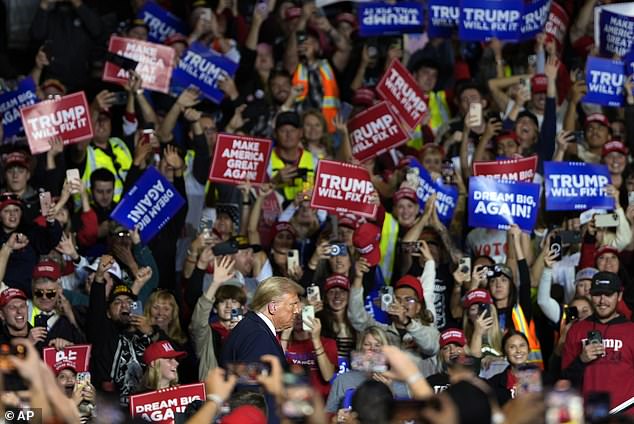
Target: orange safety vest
x=330, y=100
x=528, y=329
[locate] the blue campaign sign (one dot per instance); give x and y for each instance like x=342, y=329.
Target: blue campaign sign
x=534, y=18
x=604, y=78
x=12, y=101
x=483, y=19
x=443, y=17
x=162, y=23
x=615, y=30
x=498, y=204
x=379, y=18
x=446, y=195
x=572, y=186
x=203, y=68
x=149, y=204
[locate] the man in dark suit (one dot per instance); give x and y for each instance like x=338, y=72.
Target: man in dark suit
x=274, y=307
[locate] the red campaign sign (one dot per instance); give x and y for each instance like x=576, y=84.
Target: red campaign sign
x=400, y=90
x=341, y=187
x=509, y=170
x=557, y=24
x=375, y=131
x=76, y=357
x=162, y=405
x=67, y=118
x=239, y=158
x=155, y=63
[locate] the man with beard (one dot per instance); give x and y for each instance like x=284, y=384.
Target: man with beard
x=118, y=337
x=599, y=351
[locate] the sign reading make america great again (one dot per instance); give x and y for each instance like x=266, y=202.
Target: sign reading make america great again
x=401, y=90
x=238, y=159
x=375, y=131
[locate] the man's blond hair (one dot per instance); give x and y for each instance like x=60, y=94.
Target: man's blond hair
x=272, y=289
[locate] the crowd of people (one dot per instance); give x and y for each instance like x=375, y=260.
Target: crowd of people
x=351, y=319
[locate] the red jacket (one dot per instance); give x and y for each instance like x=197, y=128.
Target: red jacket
x=613, y=373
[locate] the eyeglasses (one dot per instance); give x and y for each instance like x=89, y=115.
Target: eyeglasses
x=49, y=294
x=406, y=300
x=122, y=234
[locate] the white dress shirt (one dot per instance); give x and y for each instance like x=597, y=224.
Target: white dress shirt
x=268, y=322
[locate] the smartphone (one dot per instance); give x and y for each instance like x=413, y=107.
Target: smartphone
x=630, y=198
x=347, y=398
x=411, y=247
x=571, y=313
x=73, y=175
x=121, y=61
x=146, y=136
x=338, y=249
x=120, y=98
x=45, y=202
x=308, y=311
x=447, y=172
x=464, y=265
x=206, y=14
x=313, y=294
x=47, y=48
x=387, y=297
x=483, y=308
x=597, y=406
x=301, y=37
x=299, y=394
x=570, y=237
x=529, y=380
x=82, y=379
x=594, y=337
x=525, y=85
x=12, y=380
x=368, y=361
x=475, y=114
x=606, y=220
x=205, y=227
x=236, y=315
x=292, y=260
x=579, y=136
x=229, y=247
x=247, y=372
x=532, y=59
x=555, y=246
x=40, y=321
x=563, y=405
x=136, y=308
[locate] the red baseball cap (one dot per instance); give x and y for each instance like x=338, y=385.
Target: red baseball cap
x=16, y=158
x=411, y=282
x=9, y=294
x=161, y=349
x=597, y=117
x=292, y=13
x=605, y=249
x=347, y=17
x=47, y=268
x=507, y=134
x=7, y=199
x=176, y=38
x=283, y=226
x=477, y=296
x=337, y=280
x=405, y=193
x=539, y=83
x=349, y=221
x=366, y=240
x=363, y=97
x=245, y=414
x=452, y=335
x=613, y=146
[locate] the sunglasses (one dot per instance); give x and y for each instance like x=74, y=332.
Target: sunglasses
x=9, y=196
x=50, y=294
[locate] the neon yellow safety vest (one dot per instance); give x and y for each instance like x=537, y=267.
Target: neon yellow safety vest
x=528, y=329
x=440, y=115
x=307, y=161
x=389, y=237
x=97, y=158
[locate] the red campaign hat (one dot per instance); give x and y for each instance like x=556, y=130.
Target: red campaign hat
x=605, y=249
x=161, y=349
x=349, y=221
x=292, y=13
x=411, y=282
x=363, y=97
x=176, y=38
x=405, y=193
x=283, y=226
x=7, y=199
x=539, y=83
x=347, y=17
x=47, y=268
x=613, y=146
x=477, y=296
x=507, y=134
x=9, y=294
x=16, y=158
x=597, y=117
x=452, y=335
x=245, y=414
x=337, y=280
x=366, y=240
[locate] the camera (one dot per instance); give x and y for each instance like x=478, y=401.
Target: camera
x=236, y=315
x=338, y=249
x=387, y=297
